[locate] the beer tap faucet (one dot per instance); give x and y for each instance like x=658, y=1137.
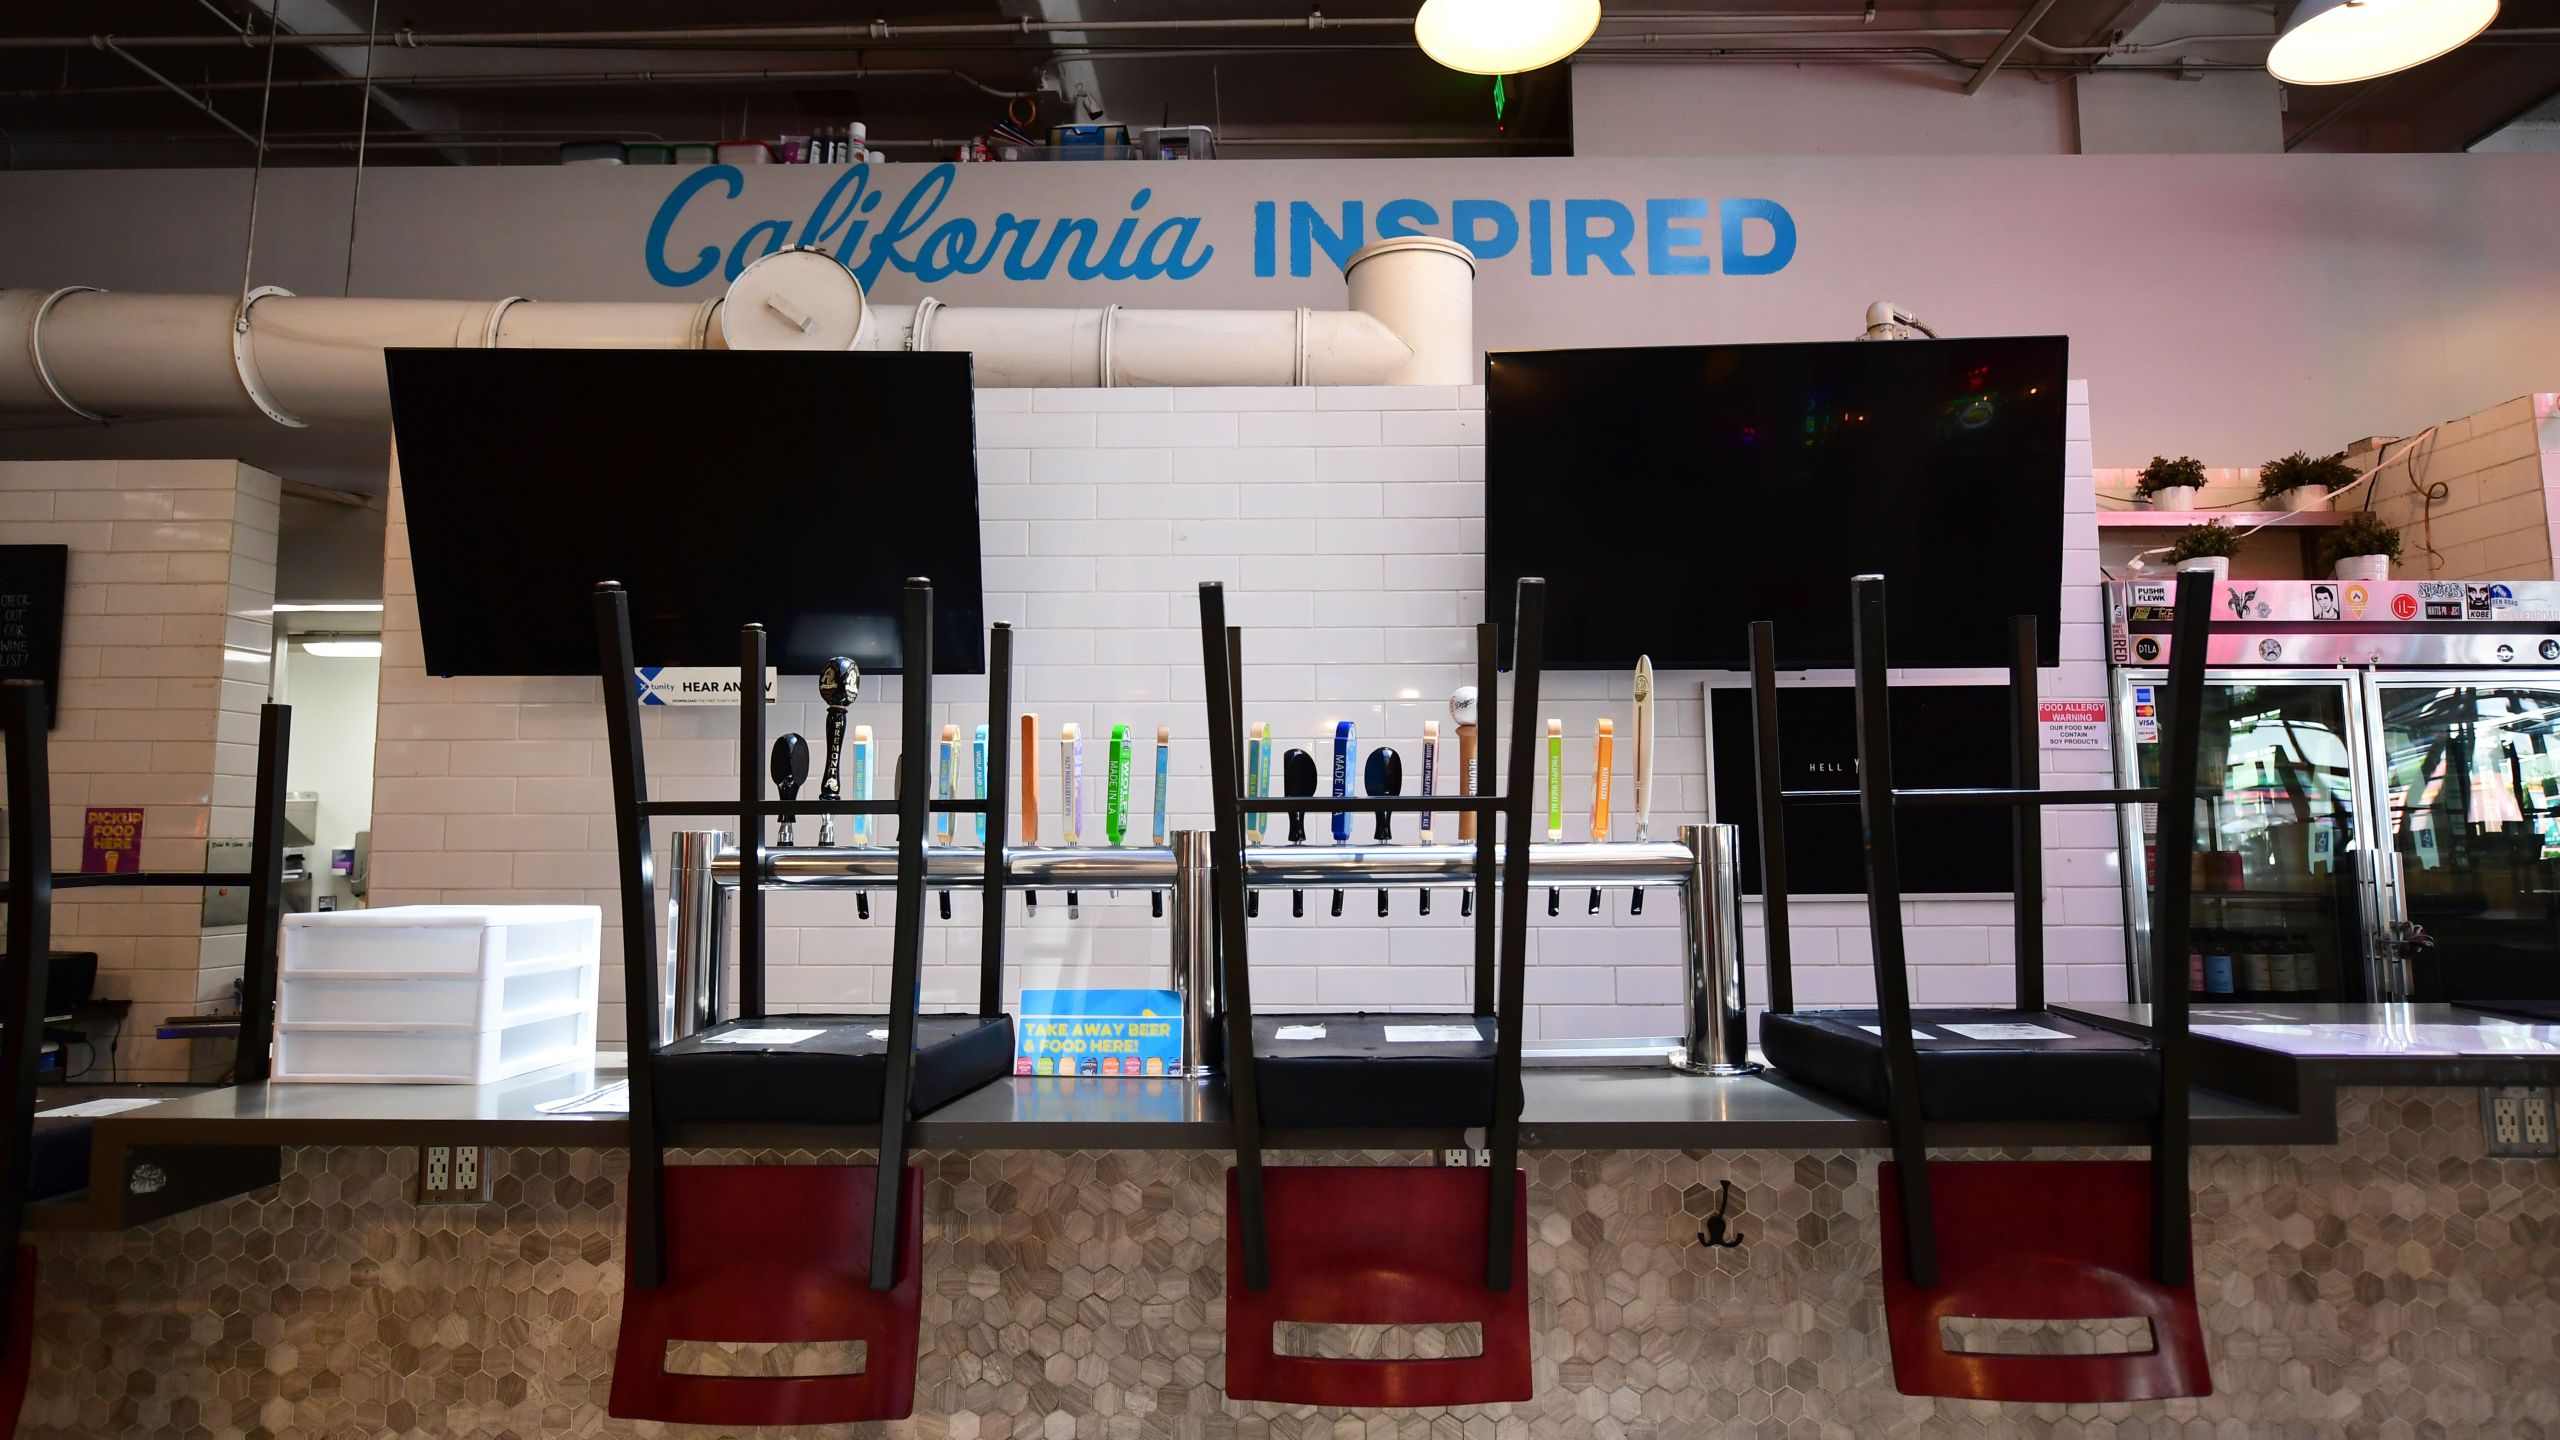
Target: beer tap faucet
x=839, y=685
x=1298, y=774
x=790, y=772
x=1384, y=776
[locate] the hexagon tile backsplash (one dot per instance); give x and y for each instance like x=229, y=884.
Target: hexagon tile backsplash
x=2397, y=1284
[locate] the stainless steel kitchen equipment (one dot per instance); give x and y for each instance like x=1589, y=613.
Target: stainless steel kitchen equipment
x=2376, y=753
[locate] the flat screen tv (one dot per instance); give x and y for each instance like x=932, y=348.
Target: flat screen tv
x=791, y=489
x=1943, y=735
x=1671, y=495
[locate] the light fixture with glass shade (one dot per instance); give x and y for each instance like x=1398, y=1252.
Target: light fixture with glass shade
x=1503, y=37
x=2333, y=42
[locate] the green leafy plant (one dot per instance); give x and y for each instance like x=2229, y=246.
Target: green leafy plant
x=2184, y=473
x=2363, y=534
x=2329, y=472
x=2196, y=542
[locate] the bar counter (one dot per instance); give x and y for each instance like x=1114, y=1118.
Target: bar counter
x=2365, y=1267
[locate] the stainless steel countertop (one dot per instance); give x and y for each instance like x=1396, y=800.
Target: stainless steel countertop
x=1565, y=1109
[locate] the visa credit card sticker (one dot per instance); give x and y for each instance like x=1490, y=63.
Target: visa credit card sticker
x=1098, y=1032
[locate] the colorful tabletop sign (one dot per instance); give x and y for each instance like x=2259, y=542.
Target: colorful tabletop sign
x=111, y=841
x=1099, y=1032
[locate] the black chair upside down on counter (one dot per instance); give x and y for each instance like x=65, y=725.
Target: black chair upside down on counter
x=790, y=1253
x=1371, y=1245
x=2023, y=1238
x=2041, y=1241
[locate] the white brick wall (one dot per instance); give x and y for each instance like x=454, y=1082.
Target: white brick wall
x=164, y=666
x=1346, y=524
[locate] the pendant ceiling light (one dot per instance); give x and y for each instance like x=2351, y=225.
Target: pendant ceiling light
x=2331, y=42
x=1503, y=37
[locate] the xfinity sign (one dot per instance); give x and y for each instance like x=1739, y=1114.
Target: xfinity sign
x=912, y=232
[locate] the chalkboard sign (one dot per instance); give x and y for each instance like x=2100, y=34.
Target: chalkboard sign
x=32, y=583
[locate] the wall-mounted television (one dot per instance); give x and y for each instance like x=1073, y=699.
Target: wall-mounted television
x=796, y=490
x=1671, y=495
x=1943, y=736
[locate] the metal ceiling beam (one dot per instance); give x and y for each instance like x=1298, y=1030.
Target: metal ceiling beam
x=2007, y=47
x=301, y=19
x=1079, y=81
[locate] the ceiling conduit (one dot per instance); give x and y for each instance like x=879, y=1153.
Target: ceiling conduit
x=296, y=360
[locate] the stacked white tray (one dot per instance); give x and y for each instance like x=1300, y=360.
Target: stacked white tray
x=437, y=994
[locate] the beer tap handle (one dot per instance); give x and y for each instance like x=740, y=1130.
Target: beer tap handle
x=1298, y=777
x=790, y=771
x=1384, y=775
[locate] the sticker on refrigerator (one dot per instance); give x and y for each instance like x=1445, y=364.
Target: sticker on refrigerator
x=2357, y=597
x=2072, y=724
x=2404, y=607
x=2423, y=840
x=2146, y=715
x=693, y=685
x=2324, y=846
x=1099, y=1032
x=2475, y=602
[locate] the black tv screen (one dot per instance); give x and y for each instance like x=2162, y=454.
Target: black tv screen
x=1672, y=495
x=1943, y=735
x=794, y=490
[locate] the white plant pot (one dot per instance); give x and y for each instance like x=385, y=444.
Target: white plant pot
x=2176, y=497
x=2363, y=567
x=2218, y=566
x=2305, y=497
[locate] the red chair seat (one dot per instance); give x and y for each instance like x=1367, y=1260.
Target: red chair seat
x=2039, y=1240
x=773, y=1254
x=1377, y=1245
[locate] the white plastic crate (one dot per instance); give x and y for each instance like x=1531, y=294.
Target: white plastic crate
x=437, y=994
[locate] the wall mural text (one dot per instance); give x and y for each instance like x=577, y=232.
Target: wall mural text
x=1671, y=236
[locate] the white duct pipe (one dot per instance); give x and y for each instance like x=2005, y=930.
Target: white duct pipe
x=298, y=359
x=1411, y=322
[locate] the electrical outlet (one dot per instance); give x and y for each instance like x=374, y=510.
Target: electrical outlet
x=448, y=1173
x=1470, y=1156
x=2518, y=1121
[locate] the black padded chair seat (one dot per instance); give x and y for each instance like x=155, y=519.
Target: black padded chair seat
x=58, y=1160
x=2540, y=1012
x=1358, y=1073
x=2085, y=1074
x=832, y=1078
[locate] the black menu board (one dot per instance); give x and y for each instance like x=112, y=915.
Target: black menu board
x=32, y=583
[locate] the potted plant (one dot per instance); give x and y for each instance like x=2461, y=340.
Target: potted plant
x=2300, y=482
x=2362, y=549
x=2172, y=484
x=2207, y=547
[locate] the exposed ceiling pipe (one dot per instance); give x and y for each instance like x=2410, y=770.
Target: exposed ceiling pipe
x=296, y=360
x=874, y=33
x=570, y=79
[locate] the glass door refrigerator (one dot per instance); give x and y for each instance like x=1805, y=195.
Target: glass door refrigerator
x=2374, y=753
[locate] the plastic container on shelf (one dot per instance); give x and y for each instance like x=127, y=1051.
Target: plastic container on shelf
x=691, y=153
x=592, y=152
x=744, y=152
x=437, y=994
x=647, y=155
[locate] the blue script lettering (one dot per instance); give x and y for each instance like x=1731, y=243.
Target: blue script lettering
x=670, y=208
x=911, y=241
